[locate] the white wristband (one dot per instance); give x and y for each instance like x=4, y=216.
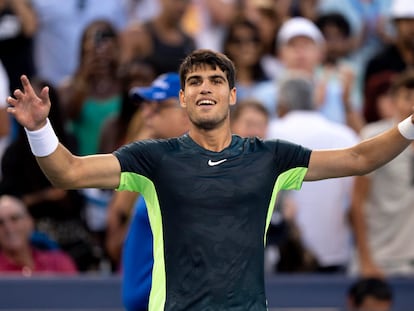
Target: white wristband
x=43, y=141
x=406, y=128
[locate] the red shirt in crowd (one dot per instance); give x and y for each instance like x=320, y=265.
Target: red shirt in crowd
x=45, y=261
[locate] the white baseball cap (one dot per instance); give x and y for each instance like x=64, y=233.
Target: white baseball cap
x=402, y=9
x=299, y=26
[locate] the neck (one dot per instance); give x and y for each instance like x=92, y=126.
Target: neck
x=214, y=140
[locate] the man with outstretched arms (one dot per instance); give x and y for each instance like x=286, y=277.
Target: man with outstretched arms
x=210, y=194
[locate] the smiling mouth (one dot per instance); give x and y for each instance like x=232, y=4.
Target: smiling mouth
x=206, y=102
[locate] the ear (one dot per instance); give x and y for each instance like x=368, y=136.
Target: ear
x=181, y=95
x=233, y=96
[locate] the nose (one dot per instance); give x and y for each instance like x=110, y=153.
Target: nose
x=205, y=87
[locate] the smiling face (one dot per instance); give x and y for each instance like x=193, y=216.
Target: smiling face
x=207, y=97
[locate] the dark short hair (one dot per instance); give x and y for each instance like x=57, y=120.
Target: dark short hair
x=245, y=104
x=369, y=287
x=404, y=80
x=336, y=19
x=205, y=57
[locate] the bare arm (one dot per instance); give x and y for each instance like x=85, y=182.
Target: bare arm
x=360, y=159
x=63, y=169
x=119, y=214
x=361, y=191
x=4, y=123
x=26, y=14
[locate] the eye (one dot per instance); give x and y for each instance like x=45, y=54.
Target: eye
x=194, y=81
x=217, y=81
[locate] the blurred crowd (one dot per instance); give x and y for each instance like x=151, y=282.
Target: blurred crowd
x=321, y=73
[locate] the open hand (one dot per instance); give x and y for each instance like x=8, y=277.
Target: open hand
x=29, y=109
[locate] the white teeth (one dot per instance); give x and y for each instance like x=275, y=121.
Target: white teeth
x=206, y=102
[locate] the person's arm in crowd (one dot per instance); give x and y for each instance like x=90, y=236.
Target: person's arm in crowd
x=26, y=14
x=354, y=118
x=360, y=159
x=62, y=168
x=4, y=122
x=367, y=266
x=221, y=11
x=119, y=214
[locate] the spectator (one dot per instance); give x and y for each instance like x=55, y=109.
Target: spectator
x=370, y=294
x=264, y=14
x=209, y=20
x=382, y=201
x=368, y=25
x=336, y=65
x=164, y=118
x=301, y=47
x=141, y=10
x=60, y=27
x=56, y=212
x=243, y=45
x=117, y=129
x=249, y=118
x=161, y=39
x=328, y=239
x=18, y=24
x=17, y=255
x=93, y=94
x=394, y=57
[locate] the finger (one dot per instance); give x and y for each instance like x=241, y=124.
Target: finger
x=11, y=110
x=11, y=101
x=18, y=94
x=44, y=94
x=26, y=84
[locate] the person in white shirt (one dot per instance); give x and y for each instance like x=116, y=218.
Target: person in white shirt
x=321, y=208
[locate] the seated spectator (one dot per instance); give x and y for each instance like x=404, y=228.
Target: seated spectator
x=328, y=239
x=249, y=118
x=55, y=211
x=17, y=254
x=370, y=294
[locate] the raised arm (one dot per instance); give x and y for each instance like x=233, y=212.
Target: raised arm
x=362, y=158
x=63, y=169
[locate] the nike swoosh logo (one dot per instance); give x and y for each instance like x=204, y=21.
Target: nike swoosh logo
x=214, y=163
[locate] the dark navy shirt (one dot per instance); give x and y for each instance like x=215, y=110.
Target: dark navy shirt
x=209, y=212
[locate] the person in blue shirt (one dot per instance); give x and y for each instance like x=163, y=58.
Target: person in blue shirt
x=164, y=118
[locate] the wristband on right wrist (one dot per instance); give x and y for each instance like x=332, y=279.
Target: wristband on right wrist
x=406, y=128
x=44, y=141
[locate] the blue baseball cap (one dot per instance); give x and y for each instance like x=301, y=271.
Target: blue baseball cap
x=163, y=87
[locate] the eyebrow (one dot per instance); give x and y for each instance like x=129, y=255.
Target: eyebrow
x=212, y=77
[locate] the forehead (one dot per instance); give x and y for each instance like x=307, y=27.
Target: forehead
x=9, y=205
x=205, y=71
x=300, y=40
